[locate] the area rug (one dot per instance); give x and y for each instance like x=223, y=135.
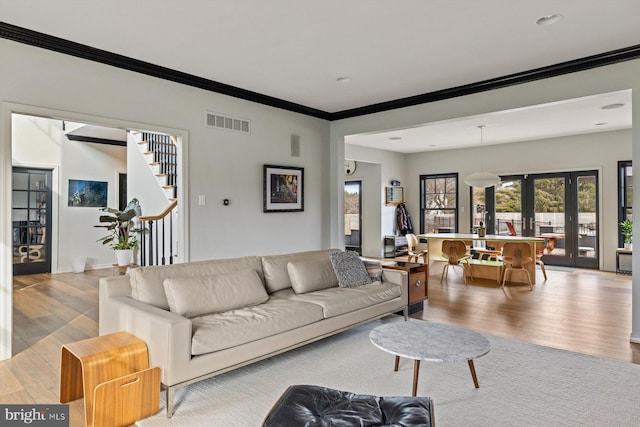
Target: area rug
x=521, y=384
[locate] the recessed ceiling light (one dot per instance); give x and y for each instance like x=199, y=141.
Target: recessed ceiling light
x=432, y=145
x=344, y=79
x=612, y=106
x=395, y=138
x=549, y=19
x=602, y=124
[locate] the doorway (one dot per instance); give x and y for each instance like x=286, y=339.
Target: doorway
x=353, y=216
x=31, y=220
x=560, y=207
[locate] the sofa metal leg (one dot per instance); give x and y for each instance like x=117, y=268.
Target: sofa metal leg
x=405, y=311
x=170, y=393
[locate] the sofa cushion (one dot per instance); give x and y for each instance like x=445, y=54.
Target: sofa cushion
x=213, y=332
x=349, y=269
x=147, y=282
x=276, y=275
x=195, y=296
x=337, y=301
x=312, y=275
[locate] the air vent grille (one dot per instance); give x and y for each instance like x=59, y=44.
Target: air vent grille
x=221, y=121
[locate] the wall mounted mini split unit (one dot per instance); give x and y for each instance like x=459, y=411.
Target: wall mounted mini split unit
x=223, y=121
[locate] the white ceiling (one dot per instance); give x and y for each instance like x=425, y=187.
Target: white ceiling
x=296, y=49
x=570, y=117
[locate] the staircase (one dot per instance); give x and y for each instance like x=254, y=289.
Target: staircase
x=160, y=151
x=158, y=241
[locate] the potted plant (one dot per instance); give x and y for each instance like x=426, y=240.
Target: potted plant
x=626, y=227
x=123, y=236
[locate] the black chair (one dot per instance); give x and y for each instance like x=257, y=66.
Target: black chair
x=310, y=405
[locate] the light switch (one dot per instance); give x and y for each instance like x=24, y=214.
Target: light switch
x=202, y=200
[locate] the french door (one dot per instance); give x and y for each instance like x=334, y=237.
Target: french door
x=562, y=208
x=353, y=216
x=31, y=220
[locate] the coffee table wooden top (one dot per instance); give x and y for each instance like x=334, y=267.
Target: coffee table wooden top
x=429, y=341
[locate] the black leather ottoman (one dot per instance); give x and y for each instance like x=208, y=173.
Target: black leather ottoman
x=314, y=406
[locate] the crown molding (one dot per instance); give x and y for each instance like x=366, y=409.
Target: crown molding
x=45, y=41
x=599, y=60
x=56, y=44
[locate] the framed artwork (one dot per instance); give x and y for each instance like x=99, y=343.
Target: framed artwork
x=87, y=194
x=283, y=188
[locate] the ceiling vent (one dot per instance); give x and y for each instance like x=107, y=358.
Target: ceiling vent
x=220, y=121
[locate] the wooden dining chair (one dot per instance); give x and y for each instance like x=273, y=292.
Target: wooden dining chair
x=455, y=252
x=412, y=250
x=540, y=246
x=516, y=256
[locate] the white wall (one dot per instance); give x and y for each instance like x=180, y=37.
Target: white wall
x=370, y=228
x=221, y=164
x=391, y=167
x=40, y=142
x=141, y=182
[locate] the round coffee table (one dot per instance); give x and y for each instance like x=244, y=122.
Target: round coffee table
x=432, y=342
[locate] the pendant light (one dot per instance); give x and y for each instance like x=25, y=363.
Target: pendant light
x=482, y=179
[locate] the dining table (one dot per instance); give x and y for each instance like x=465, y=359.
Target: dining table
x=551, y=239
x=434, y=242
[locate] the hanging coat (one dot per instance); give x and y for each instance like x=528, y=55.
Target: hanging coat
x=403, y=220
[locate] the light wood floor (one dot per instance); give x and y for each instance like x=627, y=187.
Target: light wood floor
x=585, y=311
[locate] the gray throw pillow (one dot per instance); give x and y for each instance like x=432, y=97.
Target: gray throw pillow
x=349, y=269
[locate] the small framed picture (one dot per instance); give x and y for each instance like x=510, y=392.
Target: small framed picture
x=84, y=193
x=283, y=188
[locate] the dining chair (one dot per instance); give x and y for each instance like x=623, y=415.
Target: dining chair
x=516, y=256
x=540, y=246
x=455, y=252
x=413, y=253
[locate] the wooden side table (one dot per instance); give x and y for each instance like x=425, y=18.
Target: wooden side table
x=418, y=282
x=112, y=373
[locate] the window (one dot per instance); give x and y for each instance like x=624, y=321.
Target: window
x=625, y=195
x=439, y=203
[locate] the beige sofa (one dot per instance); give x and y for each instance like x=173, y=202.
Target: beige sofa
x=202, y=319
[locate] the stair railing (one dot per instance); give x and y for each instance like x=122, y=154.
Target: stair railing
x=165, y=153
x=157, y=241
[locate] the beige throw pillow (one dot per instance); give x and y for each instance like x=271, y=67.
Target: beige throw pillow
x=195, y=296
x=312, y=275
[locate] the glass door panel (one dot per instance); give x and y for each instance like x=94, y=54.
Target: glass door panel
x=508, y=206
x=587, y=200
x=31, y=219
x=549, y=217
x=353, y=215
x=479, y=208
x=562, y=208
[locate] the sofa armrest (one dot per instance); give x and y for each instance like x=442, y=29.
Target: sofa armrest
x=399, y=277
x=168, y=335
